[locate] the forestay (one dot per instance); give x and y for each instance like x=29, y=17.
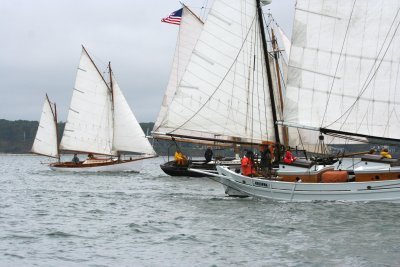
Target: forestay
x=223, y=92
x=344, y=68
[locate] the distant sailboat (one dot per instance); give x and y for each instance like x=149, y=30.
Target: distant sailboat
x=100, y=122
x=45, y=142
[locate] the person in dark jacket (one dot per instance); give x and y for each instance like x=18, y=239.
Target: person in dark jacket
x=75, y=159
x=266, y=160
x=208, y=154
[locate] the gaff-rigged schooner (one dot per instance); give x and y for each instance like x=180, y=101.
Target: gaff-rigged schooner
x=218, y=92
x=341, y=85
x=100, y=122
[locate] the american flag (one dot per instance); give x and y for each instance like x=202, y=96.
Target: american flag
x=174, y=18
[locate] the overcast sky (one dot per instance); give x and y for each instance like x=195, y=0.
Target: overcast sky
x=41, y=45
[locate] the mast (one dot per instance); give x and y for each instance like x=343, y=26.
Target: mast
x=276, y=51
x=111, y=85
x=112, y=99
x=55, y=122
x=269, y=76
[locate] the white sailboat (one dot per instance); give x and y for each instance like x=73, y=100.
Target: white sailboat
x=218, y=92
x=342, y=85
x=100, y=123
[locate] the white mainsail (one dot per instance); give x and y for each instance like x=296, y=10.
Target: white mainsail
x=45, y=142
x=128, y=135
x=344, y=69
x=223, y=93
x=89, y=125
x=189, y=32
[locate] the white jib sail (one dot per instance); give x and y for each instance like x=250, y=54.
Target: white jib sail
x=223, y=93
x=189, y=32
x=45, y=142
x=344, y=67
x=89, y=125
x=128, y=135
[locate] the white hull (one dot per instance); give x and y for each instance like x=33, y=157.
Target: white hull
x=125, y=166
x=385, y=190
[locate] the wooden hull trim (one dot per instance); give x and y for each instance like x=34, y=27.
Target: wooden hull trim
x=134, y=165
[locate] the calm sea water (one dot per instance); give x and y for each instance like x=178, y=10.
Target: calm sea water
x=150, y=219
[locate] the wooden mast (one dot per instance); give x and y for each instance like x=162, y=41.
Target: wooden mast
x=269, y=76
x=276, y=51
x=112, y=100
x=111, y=85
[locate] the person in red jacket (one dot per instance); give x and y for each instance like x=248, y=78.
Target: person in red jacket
x=289, y=158
x=248, y=168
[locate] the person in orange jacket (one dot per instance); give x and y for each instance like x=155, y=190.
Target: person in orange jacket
x=247, y=164
x=289, y=158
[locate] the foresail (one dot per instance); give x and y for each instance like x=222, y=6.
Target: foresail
x=89, y=125
x=45, y=142
x=223, y=93
x=344, y=68
x=189, y=31
x=128, y=135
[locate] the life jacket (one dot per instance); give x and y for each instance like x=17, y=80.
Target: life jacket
x=247, y=166
x=386, y=155
x=288, y=159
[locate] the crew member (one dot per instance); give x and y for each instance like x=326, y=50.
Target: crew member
x=289, y=158
x=75, y=159
x=385, y=154
x=248, y=164
x=208, y=154
x=180, y=159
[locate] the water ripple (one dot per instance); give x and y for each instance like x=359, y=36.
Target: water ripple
x=150, y=219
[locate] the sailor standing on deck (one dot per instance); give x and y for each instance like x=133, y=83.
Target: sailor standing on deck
x=248, y=164
x=75, y=159
x=208, y=154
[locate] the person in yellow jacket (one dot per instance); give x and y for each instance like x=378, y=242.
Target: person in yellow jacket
x=180, y=159
x=385, y=154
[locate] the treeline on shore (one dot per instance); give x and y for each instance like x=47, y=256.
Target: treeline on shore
x=17, y=137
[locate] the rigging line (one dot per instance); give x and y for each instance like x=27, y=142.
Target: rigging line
x=368, y=82
x=338, y=63
x=216, y=89
x=204, y=8
x=301, y=140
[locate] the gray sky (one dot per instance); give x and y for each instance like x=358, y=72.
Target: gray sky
x=41, y=46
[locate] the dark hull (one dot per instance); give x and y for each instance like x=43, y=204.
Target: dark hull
x=172, y=169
